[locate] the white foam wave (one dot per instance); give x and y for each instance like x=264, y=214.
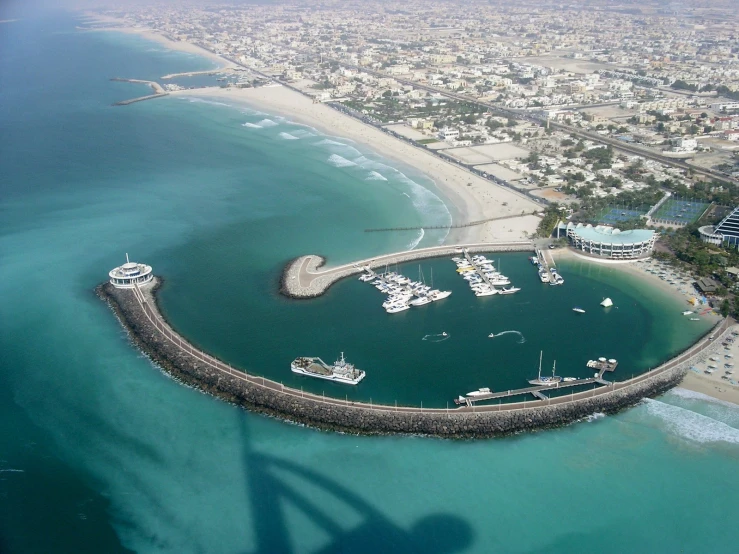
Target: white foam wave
x=594, y=417
x=426, y=202
x=331, y=142
x=267, y=123
x=375, y=176
x=412, y=244
x=205, y=101
x=691, y=425
x=288, y=136
x=302, y=133
x=11, y=470
x=339, y=161
x=251, y=125
x=693, y=395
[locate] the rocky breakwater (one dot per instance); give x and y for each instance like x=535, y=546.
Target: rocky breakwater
x=139, y=314
x=304, y=278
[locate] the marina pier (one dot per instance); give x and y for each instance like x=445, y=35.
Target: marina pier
x=156, y=87
x=138, y=311
x=539, y=390
x=304, y=278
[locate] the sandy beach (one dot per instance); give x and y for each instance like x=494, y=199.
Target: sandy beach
x=121, y=26
x=717, y=384
x=681, y=293
x=473, y=197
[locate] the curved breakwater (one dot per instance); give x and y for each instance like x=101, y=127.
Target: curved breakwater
x=138, y=312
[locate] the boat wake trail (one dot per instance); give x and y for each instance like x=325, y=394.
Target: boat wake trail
x=521, y=338
x=440, y=337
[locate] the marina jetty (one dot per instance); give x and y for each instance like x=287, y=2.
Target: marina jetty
x=156, y=87
x=136, y=307
x=304, y=278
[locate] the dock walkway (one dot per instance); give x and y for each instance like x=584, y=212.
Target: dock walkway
x=538, y=390
x=303, y=277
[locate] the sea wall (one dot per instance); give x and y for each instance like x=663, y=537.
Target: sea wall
x=187, y=364
x=303, y=278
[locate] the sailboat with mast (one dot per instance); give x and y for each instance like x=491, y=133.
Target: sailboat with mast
x=553, y=380
x=436, y=294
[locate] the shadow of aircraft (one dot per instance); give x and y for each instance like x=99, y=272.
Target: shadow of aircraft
x=269, y=492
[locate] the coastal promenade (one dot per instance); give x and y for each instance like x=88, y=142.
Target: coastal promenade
x=138, y=312
x=303, y=278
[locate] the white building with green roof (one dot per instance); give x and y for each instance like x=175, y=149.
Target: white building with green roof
x=609, y=242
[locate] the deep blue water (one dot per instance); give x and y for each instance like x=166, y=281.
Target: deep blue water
x=101, y=452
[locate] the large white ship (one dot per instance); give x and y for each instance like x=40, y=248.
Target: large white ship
x=341, y=371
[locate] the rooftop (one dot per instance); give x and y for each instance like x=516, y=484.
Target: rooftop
x=602, y=233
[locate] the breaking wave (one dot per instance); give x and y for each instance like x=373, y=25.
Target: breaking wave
x=251, y=125
x=288, y=136
x=339, y=161
x=412, y=244
x=331, y=142
x=691, y=425
x=267, y=123
x=375, y=176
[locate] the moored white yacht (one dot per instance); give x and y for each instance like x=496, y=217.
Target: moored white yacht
x=398, y=307
x=489, y=291
x=509, y=290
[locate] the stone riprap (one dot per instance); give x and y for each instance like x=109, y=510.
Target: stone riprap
x=304, y=278
x=138, y=312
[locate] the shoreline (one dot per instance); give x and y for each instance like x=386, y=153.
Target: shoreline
x=695, y=379
x=632, y=268
x=120, y=26
x=472, y=197
x=138, y=312
x=467, y=196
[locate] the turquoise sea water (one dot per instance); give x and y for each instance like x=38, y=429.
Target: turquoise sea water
x=100, y=452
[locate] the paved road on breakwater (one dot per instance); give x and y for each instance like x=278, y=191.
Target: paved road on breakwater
x=302, y=277
x=146, y=304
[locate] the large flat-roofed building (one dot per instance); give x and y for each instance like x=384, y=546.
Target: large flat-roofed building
x=727, y=231
x=609, y=242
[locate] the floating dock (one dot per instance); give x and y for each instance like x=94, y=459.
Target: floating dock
x=538, y=391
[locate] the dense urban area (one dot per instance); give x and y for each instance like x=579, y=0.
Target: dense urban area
x=623, y=114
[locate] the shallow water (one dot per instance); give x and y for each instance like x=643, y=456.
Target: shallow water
x=101, y=452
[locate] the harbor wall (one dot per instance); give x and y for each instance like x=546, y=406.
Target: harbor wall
x=137, y=311
x=302, y=277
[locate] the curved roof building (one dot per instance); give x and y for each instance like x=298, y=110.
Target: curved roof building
x=727, y=231
x=130, y=274
x=609, y=242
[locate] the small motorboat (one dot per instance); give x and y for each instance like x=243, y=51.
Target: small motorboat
x=578, y=310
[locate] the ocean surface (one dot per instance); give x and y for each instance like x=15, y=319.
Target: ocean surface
x=101, y=452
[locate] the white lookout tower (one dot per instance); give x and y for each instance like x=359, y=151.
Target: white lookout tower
x=130, y=274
